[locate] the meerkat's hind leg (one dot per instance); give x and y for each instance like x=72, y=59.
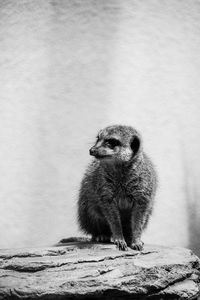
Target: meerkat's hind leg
x=101, y=238
x=127, y=228
x=101, y=234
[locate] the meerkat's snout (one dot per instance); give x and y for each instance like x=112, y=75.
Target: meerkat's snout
x=93, y=151
x=99, y=152
x=103, y=149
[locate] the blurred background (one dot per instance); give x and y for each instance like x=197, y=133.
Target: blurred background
x=70, y=67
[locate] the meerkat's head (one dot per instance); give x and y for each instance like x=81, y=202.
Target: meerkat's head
x=118, y=143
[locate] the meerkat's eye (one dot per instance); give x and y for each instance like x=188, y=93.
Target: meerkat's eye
x=112, y=143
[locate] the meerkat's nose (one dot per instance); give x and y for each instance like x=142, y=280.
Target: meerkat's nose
x=92, y=151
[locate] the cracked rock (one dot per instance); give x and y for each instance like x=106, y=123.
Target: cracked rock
x=78, y=269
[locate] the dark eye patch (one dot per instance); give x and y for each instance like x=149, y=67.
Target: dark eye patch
x=112, y=142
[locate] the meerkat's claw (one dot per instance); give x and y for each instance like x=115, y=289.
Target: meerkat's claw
x=137, y=246
x=121, y=244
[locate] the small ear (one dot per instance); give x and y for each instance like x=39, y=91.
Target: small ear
x=135, y=145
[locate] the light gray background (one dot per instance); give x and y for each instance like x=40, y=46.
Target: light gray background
x=69, y=68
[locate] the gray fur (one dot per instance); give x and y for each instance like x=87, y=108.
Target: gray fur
x=118, y=189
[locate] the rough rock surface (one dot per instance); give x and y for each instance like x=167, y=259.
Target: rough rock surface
x=83, y=270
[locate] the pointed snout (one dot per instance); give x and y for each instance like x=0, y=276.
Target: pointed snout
x=93, y=151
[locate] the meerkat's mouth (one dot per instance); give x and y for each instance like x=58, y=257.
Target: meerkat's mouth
x=103, y=156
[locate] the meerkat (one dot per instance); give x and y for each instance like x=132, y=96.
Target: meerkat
x=117, y=191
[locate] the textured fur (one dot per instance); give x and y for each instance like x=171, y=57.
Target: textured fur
x=118, y=188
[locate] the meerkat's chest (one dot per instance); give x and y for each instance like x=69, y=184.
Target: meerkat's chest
x=124, y=203
x=121, y=192
x=123, y=199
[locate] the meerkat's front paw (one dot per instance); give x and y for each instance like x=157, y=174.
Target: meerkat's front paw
x=121, y=244
x=137, y=246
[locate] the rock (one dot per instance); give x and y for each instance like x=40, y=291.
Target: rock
x=79, y=269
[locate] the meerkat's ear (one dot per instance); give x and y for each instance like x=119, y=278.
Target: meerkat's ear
x=135, y=145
